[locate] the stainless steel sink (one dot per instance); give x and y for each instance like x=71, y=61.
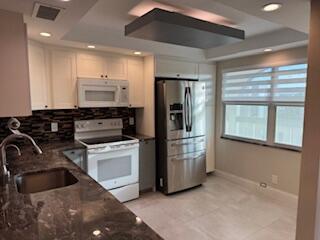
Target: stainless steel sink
x=34, y=182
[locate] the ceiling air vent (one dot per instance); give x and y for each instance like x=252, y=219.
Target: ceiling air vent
x=46, y=12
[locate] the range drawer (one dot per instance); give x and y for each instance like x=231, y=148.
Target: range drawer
x=189, y=145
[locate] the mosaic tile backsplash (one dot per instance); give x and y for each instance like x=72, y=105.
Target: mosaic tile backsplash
x=39, y=124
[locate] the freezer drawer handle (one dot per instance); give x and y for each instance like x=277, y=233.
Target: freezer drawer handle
x=180, y=144
x=184, y=144
x=185, y=159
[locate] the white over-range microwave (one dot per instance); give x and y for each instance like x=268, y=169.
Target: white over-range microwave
x=103, y=93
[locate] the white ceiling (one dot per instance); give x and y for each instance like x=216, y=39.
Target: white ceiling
x=294, y=14
x=102, y=22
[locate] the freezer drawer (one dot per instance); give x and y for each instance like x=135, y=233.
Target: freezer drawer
x=186, y=171
x=183, y=146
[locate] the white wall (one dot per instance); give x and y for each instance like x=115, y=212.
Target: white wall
x=251, y=161
x=14, y=79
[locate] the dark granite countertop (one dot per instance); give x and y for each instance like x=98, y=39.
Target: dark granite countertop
x=75, y=212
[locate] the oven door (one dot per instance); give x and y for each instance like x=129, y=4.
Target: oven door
x=113, y=169
x=98, y=95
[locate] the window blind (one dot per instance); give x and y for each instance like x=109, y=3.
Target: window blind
x=269, y=84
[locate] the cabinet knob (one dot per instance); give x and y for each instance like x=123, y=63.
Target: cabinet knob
x=178, y=75
x=75, y=106
x=46, y=106
x=106, y=76
x=101, y=76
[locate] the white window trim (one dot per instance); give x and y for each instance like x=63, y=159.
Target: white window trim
x=270, y=142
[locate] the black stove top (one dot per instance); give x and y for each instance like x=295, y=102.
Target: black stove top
x=101, y=140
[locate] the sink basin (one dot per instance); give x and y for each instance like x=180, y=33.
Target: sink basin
x=34, y=182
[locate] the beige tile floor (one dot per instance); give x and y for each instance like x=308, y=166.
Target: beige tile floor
x=218, y=210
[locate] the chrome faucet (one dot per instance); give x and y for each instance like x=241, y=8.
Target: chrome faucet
x=4, y=173
x=15, y=147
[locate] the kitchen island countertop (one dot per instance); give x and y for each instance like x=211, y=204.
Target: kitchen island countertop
x=81, y=211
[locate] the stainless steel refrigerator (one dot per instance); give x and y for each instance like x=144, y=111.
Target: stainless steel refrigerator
x=180, y=134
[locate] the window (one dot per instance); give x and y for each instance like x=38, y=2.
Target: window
x=246, y=121
x=289, y=125
x=265, y=104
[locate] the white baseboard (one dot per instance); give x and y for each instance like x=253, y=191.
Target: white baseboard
x=271, y=192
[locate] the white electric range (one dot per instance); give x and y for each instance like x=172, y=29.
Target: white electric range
x=112, y=158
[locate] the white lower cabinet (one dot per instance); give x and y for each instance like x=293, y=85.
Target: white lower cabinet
x=64, y=79
x=136, y=83
x=39, y=79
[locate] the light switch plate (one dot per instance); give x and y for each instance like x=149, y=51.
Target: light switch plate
x=131, y=121
x=274, y=179
x=54, y=127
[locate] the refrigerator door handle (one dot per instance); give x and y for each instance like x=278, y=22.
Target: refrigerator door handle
x=191, y=111
x=185, y=108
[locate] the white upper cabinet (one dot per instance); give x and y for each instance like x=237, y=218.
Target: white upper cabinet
x=64, y=79
x=176, y=69
x=100, y=66
x=136, y=83
x=39, y=79
x=90, y=66
x=54, y=72
x=116, y=68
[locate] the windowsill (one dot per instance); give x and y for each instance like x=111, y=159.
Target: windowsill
x=243, y=140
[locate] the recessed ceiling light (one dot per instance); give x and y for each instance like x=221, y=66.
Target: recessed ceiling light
x=271, y=7
x=45, y=34
x=65, y=0
x=268, y=50
x=91, y=46
x=137, y=53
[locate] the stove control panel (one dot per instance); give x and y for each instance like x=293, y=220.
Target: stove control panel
x=98, y=125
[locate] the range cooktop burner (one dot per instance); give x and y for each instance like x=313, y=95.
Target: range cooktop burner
x=101, y=140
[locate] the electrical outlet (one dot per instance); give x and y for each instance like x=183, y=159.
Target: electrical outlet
x=263, y=185
x=54, y=127
x=131, y=121
x=161, y=182
x=274, y=179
